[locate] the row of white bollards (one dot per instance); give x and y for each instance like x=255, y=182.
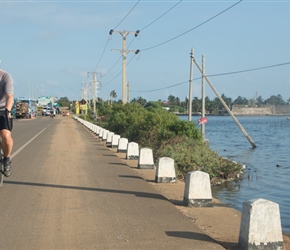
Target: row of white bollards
x=260, y=223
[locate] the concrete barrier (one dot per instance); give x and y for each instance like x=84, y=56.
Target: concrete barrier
x=132, y=151
x=98, y=130
x=260, y=225
x=101, y=130
x=109, y=139
x=146, y=158
x=197, y=192
x=104, y=135
x=122, y=146
x=115, y=141
x=165, y=171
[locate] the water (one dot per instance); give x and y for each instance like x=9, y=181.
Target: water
x=267, y=173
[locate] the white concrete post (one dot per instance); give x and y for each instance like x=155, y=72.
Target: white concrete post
x=146, y=158
x=104, y=135
x=165, y=171
x=101, y=130
x=132, y=151
x=97, y=130
x=197, y=192
x=109, y=138
x=122, y=146
x=115, y=141
x=260, y=225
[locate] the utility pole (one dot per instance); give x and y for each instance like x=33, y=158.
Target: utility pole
x=225, y=105
x=128, y=92
x=203, y=96
x=85, y=96
x=190, y=87
x=124, y=52
x=95, y=90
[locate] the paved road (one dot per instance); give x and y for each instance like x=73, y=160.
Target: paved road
x=68, y=191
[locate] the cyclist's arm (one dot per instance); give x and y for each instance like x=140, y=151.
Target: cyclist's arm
x=9, y=102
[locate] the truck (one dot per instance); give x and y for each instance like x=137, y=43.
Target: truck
x=25, y=108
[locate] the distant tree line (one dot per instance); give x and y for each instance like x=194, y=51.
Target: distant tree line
x=214, y=106
x=174, y=103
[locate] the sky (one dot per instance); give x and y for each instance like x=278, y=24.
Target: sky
x=52, y=47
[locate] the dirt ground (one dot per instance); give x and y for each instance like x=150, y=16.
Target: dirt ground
x=219, y=222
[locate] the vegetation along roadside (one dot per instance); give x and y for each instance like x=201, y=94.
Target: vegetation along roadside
x=168, y=136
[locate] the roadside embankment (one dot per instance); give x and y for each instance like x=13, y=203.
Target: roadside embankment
x=220, y=222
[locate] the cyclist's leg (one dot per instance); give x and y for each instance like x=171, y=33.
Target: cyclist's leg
x=7, y=144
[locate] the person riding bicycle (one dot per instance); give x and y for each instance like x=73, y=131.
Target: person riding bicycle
x=6, y=122
x=51, y=112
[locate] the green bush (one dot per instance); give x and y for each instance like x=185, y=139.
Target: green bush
x=168, y=136
x=146, y=126
x=191, y=155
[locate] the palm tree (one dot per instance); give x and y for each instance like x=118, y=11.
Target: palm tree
x=113, y=95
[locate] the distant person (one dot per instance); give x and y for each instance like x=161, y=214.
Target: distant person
x=6, y=122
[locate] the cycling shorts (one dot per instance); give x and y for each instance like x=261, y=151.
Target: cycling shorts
x=6, y=123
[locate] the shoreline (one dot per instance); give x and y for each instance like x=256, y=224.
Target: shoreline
x=220, y=222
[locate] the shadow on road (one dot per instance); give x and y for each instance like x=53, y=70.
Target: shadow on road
x=136, y=193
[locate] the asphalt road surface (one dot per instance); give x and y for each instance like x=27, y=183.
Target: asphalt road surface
x=68, y=191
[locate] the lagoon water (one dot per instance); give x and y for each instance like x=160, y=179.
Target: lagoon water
x=267, y=173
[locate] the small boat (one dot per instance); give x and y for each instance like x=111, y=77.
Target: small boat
x=288, y=118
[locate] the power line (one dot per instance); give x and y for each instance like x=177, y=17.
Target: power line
x=214, y=75
x=161, y=15
x=119, y=72
x=182, y=34
x=248, y=70
x=220, y=13
x=127, y=14
x=110, y=36
x=102, y=53
x=153, y=90
x=142, y=30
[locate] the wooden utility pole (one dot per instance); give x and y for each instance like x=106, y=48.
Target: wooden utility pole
x=226, y=106
x=203, y=96
x=124, y=52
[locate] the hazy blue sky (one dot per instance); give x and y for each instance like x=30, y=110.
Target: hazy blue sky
x=49, y=46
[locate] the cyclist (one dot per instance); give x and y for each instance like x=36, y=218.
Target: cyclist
x=6, y=123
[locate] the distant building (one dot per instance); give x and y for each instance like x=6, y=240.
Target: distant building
x=45, y=100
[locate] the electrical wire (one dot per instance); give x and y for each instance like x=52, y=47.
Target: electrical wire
x=161, y=16
x=248, y=70
x=109, y=37
x=197, y=26
x=215, y=75
x=127, y=14
x=153, y=90
x=142, y=30
x=220, y=13
x=102, y=54
x=118, y=73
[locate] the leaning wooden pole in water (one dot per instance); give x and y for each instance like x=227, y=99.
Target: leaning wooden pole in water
x=226, y=106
